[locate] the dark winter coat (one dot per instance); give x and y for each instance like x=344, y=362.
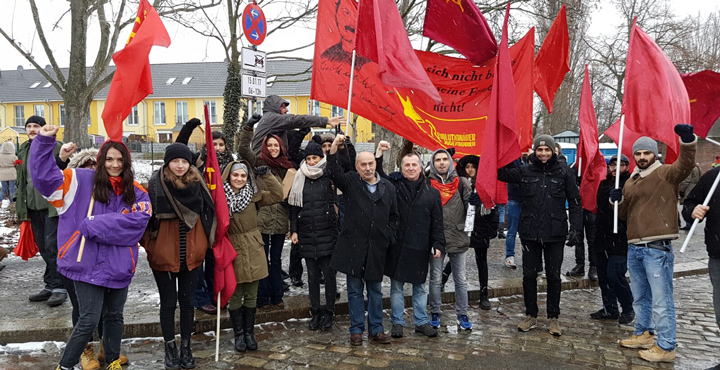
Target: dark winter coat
x=513, y=190
x=484, y=228
x=712, y=217
x=316, y=223
x=420, y=230
x=371, y=224
x=544, y=189
x=273, y=122
x=605, y=239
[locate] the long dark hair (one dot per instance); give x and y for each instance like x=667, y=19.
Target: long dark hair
x=102, y=186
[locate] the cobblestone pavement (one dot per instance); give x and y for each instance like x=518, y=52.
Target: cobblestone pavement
x=494, y=343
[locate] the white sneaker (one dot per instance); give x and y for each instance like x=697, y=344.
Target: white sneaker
x=510, y=262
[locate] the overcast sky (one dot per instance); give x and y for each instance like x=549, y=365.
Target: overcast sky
x=187, y=46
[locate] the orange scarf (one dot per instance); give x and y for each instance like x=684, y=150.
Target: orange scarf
x=446, y=190
x=116, y=182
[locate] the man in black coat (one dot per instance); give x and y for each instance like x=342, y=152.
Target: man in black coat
x=371, y=216
x=420, y=235
x=692, y=209
x=611, y=250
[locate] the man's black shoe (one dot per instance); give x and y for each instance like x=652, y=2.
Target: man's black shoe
x=296, y=281
x=602, y=314
x=592, y=273
x=626, y=318
x=44, y=295
x=56, y=299
x=578, y=270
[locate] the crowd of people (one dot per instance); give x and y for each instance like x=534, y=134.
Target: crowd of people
x=343, y=213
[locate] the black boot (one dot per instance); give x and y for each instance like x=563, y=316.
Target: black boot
x=249, y=318
x=172, y=361
x=578, y=270
x=326, y=322
x=187, y=361
x=501, y=230
x=484, y=302
x=236, y=316
x=315, y=320
x=592, y=273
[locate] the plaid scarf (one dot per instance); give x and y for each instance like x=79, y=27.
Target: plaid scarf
x=240, y=200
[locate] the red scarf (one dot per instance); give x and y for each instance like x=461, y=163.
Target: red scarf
x=446, y=190
x=116, y=182
x=281, y=160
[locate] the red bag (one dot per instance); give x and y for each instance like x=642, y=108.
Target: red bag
x=26, y=247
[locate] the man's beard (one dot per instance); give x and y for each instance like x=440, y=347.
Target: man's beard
x=644, y=164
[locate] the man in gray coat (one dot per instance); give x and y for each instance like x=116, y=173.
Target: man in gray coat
x=277, y=121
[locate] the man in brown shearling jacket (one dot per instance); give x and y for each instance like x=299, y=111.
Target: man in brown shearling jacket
x=648, y=204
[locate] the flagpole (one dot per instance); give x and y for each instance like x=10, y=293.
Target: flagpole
x=618, y=161
x=349, y=104
x=217, y=328
x=705, y=203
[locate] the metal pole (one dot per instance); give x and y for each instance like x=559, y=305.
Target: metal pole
x=349, y=105
x=617, y=172
x=217, y=328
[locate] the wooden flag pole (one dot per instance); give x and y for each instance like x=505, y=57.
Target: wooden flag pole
x=617, y=172
x=217, y=330
x=705, y=203
x=82, y=241
x=349, y=105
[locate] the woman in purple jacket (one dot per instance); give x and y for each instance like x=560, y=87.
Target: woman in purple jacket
x=97, y=209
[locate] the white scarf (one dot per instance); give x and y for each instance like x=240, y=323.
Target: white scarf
x=296, y=192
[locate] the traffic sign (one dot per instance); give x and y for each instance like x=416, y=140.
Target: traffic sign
x=254, y=24
x=253, y=85
x=253, y=60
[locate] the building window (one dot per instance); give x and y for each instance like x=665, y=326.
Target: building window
x=134, y=118
x=164, y=137
x=256, y=108
x=313, y=107
x=19, y=115
x=211, y=110
x=160, y=113
x=40, y=110
x=181, y=112
x=62, y=115
x=337, y=111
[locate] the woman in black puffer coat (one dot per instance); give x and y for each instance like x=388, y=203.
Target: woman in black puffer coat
x=314, y=227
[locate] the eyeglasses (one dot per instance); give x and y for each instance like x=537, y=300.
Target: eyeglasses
x=615, y=165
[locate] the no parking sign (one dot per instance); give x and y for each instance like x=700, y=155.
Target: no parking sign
x=254, y=24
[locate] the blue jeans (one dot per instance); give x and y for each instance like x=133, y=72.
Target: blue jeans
x=651, y=274
x=94, y=300
x=501, y=213
x=271, y=289
x=8, y=188
x=397, y=303
x=458, y=261
x=356, y=306
x=513, y=219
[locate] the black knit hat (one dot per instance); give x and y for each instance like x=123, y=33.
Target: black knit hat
x=314, y=148
x=177, y=150
x=35, y=119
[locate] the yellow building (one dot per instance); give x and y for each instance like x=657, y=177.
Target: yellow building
x=180, y=92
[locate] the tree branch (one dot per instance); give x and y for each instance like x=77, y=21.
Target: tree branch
x=46, y=46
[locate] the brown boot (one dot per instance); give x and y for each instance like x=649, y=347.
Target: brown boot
x=3, y=253
x=101, y=356
x=87, y=359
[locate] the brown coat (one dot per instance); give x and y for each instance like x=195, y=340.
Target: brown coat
x=650, y=196
x=251, y=262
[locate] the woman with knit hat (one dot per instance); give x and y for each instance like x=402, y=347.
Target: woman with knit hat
x=314, y=227
x=180, y=231
x=545, y=186
x=244, y=200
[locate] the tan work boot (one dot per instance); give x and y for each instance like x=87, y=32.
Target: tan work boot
x=101, y=356
x=87, y=359
x=555, y=327
x=645, y=340
x=528, y=323
x=657, y=354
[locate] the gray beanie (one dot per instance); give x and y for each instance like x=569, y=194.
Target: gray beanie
x=544, y=140
x=623, y=158
x=239, y=166
x=646, y=143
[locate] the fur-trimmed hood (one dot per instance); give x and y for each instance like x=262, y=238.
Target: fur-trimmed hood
x=80, y=158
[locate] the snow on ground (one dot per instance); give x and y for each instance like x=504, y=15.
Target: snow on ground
x=144, y=168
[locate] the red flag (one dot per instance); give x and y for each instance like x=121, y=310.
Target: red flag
x=592, y=166
x=223, y=251
x=381, y=37
x=132, y=81
x=500, y=143
x=629, y=138
x=460, y=25
x=703, y=89
x=523, y=72
x=553, y=60
x=655, y=98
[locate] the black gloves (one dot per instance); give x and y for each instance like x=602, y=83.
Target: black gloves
x=193, y=123
x=250, y=123
x=685, y=132
x=302, y=132
x=261, y=170
x=575, y=238
x=474, y=199
x=451, y=151
x=616, y=195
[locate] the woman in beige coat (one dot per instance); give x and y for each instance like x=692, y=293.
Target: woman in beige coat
x=8, y=175
x=244, y=200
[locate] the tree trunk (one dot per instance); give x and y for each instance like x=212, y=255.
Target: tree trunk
x=396, y=142
x=233, y=104
x=77, y=105
x=77, y=117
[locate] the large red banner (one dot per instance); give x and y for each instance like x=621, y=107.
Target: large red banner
x=459, y=121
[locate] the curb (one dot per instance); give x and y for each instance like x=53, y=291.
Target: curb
x=204, y=323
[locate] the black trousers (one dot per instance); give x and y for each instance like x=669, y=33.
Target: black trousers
x=589, y=226
x=532, y=261
x=614, y=287
x=176, y=287
x=296, y=268
x=45, y=231
x=314, y=267
x=75, y=315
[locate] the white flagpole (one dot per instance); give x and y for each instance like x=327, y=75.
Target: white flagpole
x=217, y=330
x=617, y=172
x=705, y=203
x=349, y=105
